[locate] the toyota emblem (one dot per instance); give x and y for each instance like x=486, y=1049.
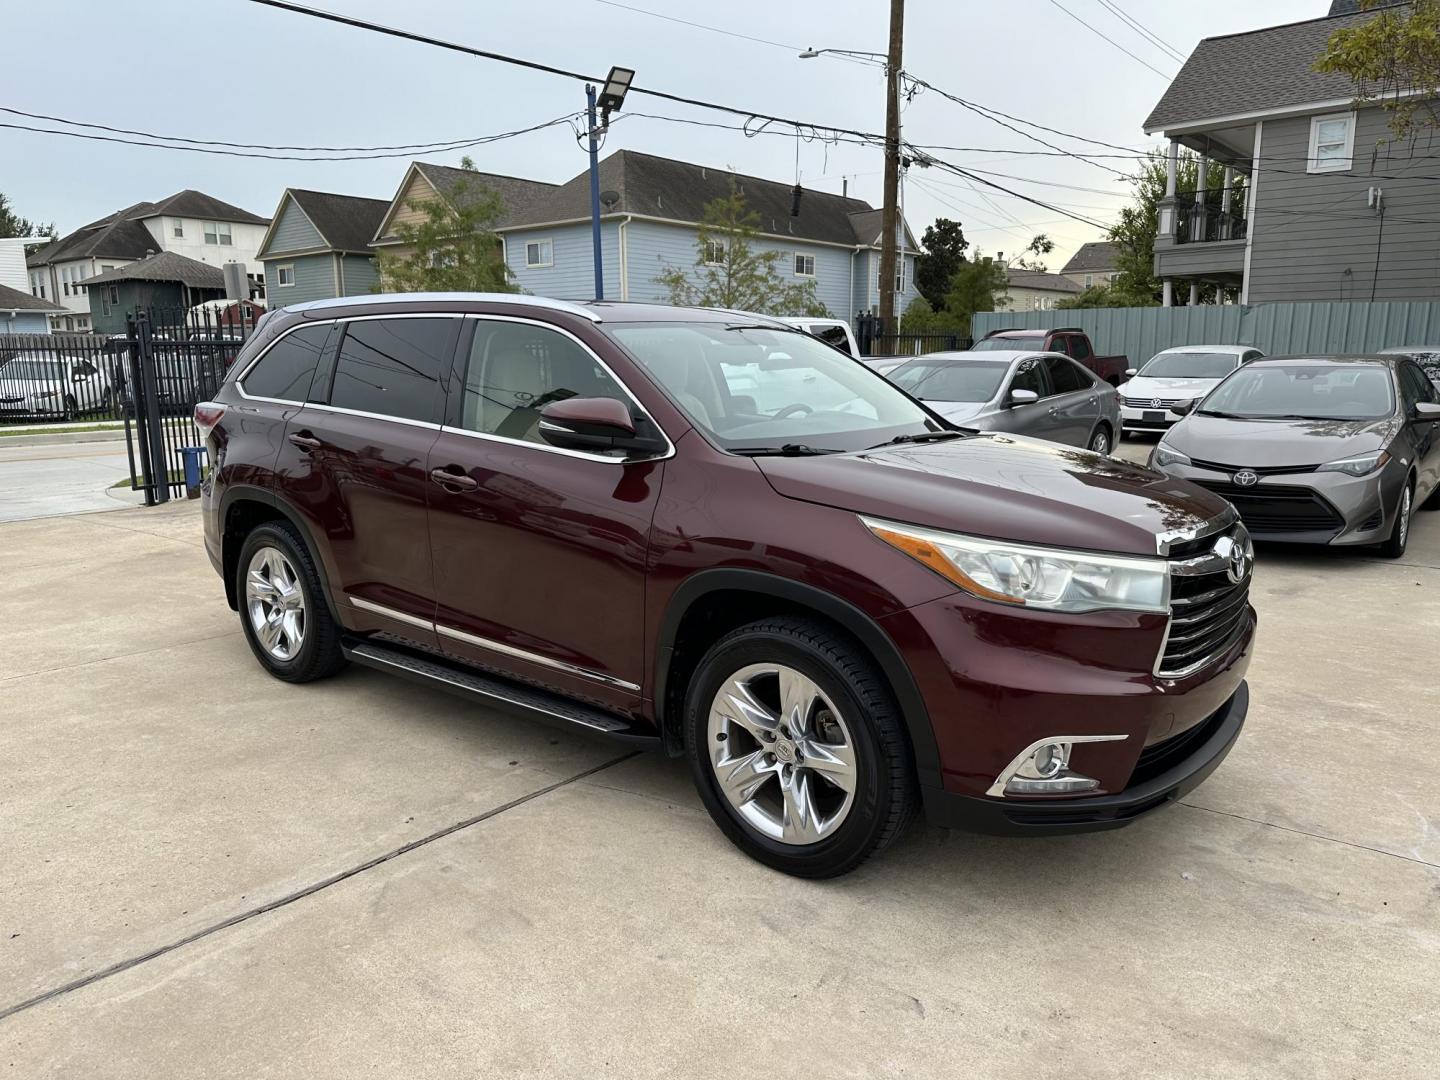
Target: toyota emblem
x=1246, y=478
x=1235, y=551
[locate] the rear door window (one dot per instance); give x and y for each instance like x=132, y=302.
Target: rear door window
x=285, y=371
x=393, y=367
x=1065, y=377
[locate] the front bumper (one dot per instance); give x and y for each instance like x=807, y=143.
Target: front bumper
x=1206, y=749
x=1147, y=419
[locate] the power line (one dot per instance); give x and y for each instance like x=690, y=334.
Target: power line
x=1143, y=31
x=958, y=171
x=720, y=30
x=1111, y=40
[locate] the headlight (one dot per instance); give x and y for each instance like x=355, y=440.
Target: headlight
x=1362, y=465
x=1044, y=578
x=1165, y=455
x=45, y=395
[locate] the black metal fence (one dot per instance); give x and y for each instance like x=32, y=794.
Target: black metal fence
x=875, y=340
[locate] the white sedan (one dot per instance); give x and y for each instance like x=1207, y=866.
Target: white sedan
x=1179, y=374
x=53, y=386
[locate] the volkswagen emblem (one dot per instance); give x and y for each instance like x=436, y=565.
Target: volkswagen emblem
x=1246, y=478
x=1155, y=403
x=1236, y=553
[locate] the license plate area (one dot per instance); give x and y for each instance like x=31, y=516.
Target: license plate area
x=1153, y=416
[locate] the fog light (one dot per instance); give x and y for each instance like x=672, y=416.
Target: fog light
x=1043, y=768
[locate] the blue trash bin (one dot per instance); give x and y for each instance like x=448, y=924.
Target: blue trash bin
x=191, y=456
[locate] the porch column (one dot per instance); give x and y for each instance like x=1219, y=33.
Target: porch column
x=1194, y=293
x=1167, y=204
x=1202, y=177
x=1226, y=227
x=1168, y=292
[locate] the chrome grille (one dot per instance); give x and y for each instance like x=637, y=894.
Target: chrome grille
x=1209, y=610
x=1149, y=403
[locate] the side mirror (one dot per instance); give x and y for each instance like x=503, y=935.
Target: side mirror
x=1425, y=411
x=595, y=424
x=1131, y=372
x=1183, y=408
x=1021, y=397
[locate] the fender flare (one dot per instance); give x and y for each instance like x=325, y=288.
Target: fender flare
x=251, y=493
x=841, y=612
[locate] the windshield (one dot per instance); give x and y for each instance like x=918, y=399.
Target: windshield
x=937, y=379
x=1009, y=344
x=1310, y=392
x=1190, y=365
x=38, y=370
x=753, y=386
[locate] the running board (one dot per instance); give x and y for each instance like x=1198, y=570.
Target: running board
x=496, y=691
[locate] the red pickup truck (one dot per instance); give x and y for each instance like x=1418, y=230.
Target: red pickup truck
x=1069, y=340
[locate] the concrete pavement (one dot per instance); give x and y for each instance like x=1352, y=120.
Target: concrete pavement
x=205, y=872
x=60, y=477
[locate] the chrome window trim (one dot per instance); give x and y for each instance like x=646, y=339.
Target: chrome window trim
x=449, y=298
x=634, y=401
x=494, y=646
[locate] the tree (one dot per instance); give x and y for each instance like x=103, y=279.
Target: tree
x=979, y=285
x=921, y=318
x=1394, y=59
x=1029, y=259
x=731, y=271
x=1098, y=296
x=13, y=225
x=454, y=247
x=944, y=244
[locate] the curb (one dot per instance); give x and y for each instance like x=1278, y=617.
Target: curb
x=62, y=438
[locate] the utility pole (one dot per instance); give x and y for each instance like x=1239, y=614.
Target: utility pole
x=595, y=192
x=890, y=217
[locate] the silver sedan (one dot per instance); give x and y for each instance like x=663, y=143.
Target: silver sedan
x=1046, y=395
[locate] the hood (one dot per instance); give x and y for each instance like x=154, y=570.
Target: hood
x=1277, y=443
x=1003, y=486
x=958, y=412
x=1145, y=387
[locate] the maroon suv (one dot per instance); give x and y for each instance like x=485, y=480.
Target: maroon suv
x=710, y=533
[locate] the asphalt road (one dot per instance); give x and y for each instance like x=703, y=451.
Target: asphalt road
x=62, y=478
x=208, y=873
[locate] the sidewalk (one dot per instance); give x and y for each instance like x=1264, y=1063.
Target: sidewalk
x=43, y=479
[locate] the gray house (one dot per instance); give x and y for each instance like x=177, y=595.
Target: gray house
x=318, y=246
x=21, y=313
x=1321, y=208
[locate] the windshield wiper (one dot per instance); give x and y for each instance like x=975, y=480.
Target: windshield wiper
x=925, y=436
x=1223, y=415
x=1298, y=416
x=787, y=450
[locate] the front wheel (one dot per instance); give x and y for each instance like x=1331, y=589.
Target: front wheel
x=797, y=747
x=1395, y=546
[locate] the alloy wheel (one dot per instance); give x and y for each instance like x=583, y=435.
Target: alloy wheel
x=782, y=754
x=1100, y=442
x=1404, y=524
x=275, y=603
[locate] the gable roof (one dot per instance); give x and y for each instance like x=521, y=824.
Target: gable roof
x=345, y=222
x=518, y=196
x=1039, y=279
x=1260, y=70
x=166, y=266
x=123, y=235
x=1096, y=255
x=16, y=300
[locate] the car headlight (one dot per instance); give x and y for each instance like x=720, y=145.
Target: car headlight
x=1047, y=579
x=1166, y=455
x=1360, y=465
x=45, y=395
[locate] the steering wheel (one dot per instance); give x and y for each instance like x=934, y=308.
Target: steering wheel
x=797, y=407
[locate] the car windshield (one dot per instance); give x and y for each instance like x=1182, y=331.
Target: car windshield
x=1190, y=365
x=1008, y=344
x=38, y=370
x=950, y=378
x=757, y=387
x=1304, y=391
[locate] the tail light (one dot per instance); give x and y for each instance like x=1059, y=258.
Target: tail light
x=207, y=415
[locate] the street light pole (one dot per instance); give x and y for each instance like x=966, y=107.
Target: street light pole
x=890, y=217
x=595, y=191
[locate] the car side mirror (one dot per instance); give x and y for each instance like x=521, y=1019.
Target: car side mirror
x=1021, y=397
x=1183, y=408
x=1425, y=411
x=596, y=424
x=1131, y=372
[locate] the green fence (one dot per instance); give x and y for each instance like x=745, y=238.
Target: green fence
x=1275, y=329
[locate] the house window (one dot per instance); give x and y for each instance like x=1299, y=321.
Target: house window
x=106, y=269
x=899, y=275
x=65, y=280
x=177, y=230
x=714, y=252
x=285, y=276
x=217, y=232
x=805, y=265
x=1332, y=142
x=540, y=253
x=1089, y=280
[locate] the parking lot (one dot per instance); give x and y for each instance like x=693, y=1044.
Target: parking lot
x=207, y=872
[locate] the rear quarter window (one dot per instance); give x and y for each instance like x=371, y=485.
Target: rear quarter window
x=285, y=371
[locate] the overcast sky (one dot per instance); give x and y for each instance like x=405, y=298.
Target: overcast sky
x=237, y=71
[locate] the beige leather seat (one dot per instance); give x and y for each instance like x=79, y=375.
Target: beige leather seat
x=683, y=370
x=513, y=379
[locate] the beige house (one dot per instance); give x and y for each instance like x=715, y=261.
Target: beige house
x=1092, y=265
x=1036, y=290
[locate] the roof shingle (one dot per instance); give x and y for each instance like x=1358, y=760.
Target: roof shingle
x=166, y=266
x=345, y=222
x=15, y=300
x=1039, y=279
x=1096, y=255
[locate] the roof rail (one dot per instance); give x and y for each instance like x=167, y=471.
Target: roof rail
x=452, y=298
x=1002, y=330
x=1067, y=330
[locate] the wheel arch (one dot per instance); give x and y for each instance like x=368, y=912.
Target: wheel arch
x=747, y=594
x=244, y=507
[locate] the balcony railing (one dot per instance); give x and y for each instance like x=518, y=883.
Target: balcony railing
x=1207, y=223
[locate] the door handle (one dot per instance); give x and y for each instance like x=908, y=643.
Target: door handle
x=304, y=440
x=453, y=480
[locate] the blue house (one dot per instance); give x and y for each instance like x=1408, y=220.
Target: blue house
x=21, y=313
x=651, y=206
x=318, y=246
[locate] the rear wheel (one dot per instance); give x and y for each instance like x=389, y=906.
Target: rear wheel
x=1394, y=547
x=1100, y=440
x=282, y=606
x=797, y=748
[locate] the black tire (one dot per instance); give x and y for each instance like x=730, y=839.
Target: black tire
x=319, y=655
x=1099, y=435
x=1399, y=538
x=72, y=411
x=885, y=796
x=1433, y=501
